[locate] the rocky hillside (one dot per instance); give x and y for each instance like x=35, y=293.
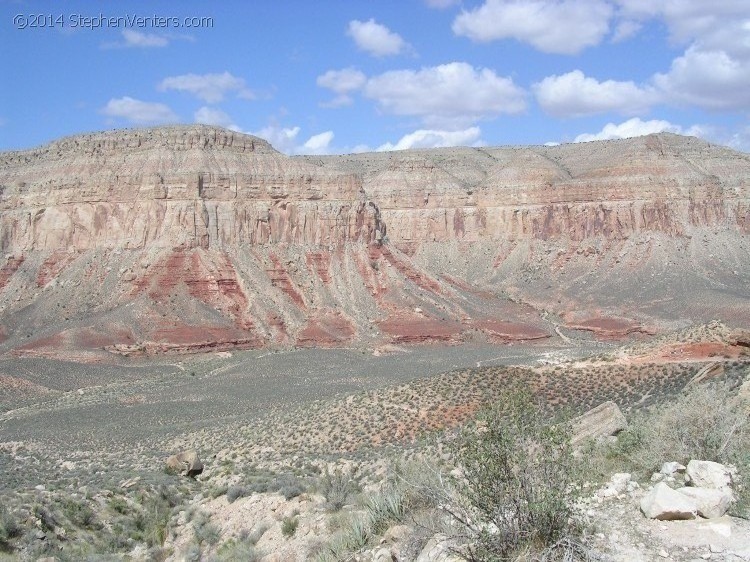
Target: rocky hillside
x=194, y=238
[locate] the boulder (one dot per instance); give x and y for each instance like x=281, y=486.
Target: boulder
x=618, y=484
x=710, y=503
x=709, y=474
x=666, y=504
x=187, y=463
x=437, y=549
x=671, y=468
x=604, y=420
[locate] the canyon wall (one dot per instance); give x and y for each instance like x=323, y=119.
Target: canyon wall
x=207, y=227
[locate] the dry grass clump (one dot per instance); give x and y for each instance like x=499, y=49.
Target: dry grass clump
x=706, y=422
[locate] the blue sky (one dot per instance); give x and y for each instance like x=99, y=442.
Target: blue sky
x=342, y=76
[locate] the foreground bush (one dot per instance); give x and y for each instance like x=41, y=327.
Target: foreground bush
x=519, y=479
x=705, y=422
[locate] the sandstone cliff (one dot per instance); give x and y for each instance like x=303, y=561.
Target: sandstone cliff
x=196, y=237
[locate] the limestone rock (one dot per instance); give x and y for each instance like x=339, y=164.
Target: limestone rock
x=187, y=463
x=709, y=474
x=602, y=421
x=666, y=504
x=671, y=468
x=437, y=549
x=618, y=484
x=710, y=503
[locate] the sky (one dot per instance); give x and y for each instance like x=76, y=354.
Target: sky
x=339, y=76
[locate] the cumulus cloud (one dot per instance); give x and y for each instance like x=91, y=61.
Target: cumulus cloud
x=430, y=138
x=285, y=139
x=575, y=95
x=214, y=116
x=137, y=111
x=376, y=39
x=714, y=70
x=633, y=128
x=448, y=96
x=721, y=24
x=317, y=144
x=551, y=26
x=211, y=88
x=709, y=79
x=138, y=39
x=342, y=82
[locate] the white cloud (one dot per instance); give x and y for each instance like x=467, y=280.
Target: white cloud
x=429, y=138
x=551, y=26
x=210, y=88
x=575, y=95
x=633, y=128
x=342, y=82
x=317, y=144
x=138, y=111
x=214, y=116
x=446, y=96
x=376, y=39
x=283, y=139
x=716, y=25
x=714, y=70
x=709, y=79
x=138, y=39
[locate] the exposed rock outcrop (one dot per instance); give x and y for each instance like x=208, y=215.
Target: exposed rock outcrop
x=187, y=463
x=163, y=232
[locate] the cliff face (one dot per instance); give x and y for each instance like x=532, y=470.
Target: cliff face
x=191, y=237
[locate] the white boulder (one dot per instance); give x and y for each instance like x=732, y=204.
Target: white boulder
x=710, y=503
x=666, y=504
x=708, y=474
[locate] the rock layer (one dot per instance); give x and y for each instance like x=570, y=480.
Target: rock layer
x=155, y=234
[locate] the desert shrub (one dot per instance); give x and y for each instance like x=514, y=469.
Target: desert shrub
x=217, y=491
x=705, y=422
x=255, y=535
x=118, y=504
x=79, y=513
x=385, y=508
x=236, y=492
x=289, y=526
x=519, y=479
x=9, y=528
x=234, y=550
x=205, y=531
x=194, y=553
x=152, y=520
x=46, y=516
x=336, y=486
x=289, y=486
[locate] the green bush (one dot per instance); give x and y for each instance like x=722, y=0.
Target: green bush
x=289, y=526
x=520, y=478
x=385, y=508
x=9, y=528
x=336, y=486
